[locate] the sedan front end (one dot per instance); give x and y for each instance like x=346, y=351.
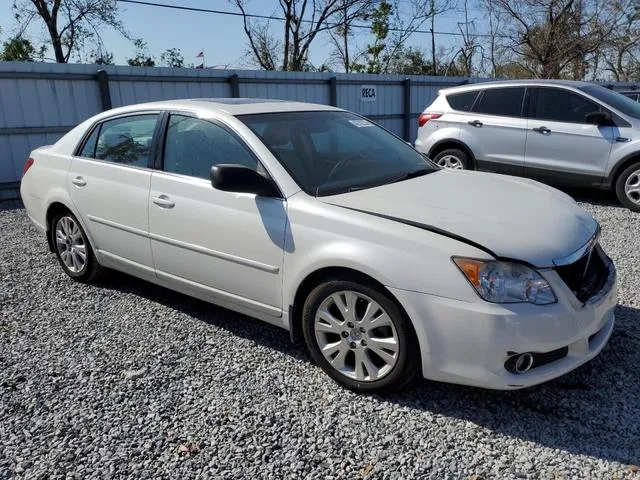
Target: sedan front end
x=516, y=345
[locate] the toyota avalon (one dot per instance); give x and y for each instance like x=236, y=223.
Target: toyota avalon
x=319, y=221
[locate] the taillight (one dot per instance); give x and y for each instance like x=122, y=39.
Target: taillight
x=27, y=165
x=425, y=117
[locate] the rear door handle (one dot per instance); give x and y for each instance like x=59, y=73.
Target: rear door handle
x=163, y=201
x=622, y=139
x=542, y=130
x=475, y=123
x=79, y=181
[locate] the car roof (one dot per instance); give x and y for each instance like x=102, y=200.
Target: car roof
x=230, y=106
x=515, y=83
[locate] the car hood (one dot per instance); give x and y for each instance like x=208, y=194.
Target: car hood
x=511, y=217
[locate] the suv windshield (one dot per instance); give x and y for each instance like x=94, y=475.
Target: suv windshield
x=330, y=152
x=615, y=100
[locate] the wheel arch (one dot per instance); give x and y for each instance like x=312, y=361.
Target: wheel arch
x=619, y=167
x=56, y=205
x=445, y=144
x=316, y=277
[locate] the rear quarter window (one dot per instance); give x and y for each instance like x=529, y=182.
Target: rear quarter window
x=462, y=102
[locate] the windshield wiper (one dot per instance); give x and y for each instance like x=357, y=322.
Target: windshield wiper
x=415, y=173
x=323, y=190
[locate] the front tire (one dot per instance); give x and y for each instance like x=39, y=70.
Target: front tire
x=359, y=337
x=72, y=248
x=453, y=158
x=628, y=187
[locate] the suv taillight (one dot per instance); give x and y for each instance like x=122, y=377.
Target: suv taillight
x=425, y=117
x=27, y=165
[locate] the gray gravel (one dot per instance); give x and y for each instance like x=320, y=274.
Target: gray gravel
x=126, y=379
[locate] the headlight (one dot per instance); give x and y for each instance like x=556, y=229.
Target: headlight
x=506, y=282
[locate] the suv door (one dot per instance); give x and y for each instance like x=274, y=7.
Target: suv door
x=109, y=183
x=495, y=130
x=561, y=147
x=222, y=246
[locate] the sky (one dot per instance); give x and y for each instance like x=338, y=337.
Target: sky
x=221, y=37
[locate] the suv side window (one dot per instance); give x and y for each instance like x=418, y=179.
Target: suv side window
x=193, y=145
x=562, y=106
x=125, y=140
x=506, y=102
x=462, y=101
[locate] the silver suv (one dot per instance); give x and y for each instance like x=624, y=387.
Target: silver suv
x=559, y=132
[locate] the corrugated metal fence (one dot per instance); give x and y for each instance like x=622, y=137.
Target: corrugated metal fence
x=39, y=102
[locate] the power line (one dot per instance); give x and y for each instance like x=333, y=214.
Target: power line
x=282, y=19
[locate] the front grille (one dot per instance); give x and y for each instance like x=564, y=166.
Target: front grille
x=587, y=276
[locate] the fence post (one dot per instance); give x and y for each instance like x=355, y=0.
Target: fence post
x=234, y=80
x=103, y=85
x=333, y=91
x=407, y=109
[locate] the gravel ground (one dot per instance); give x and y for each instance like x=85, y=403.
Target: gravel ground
x=126, y=379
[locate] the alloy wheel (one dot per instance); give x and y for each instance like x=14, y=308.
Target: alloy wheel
x=71, y=244
x=451, y=161
x=632, y=187
x=356, y=336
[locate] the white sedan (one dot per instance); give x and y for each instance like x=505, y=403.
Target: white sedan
x=316, y=220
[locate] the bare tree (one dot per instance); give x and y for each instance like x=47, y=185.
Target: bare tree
x=494, y=48
x=392, y=24
x=265, y=50
x=302, y=21
x=437, y=7
x=342, y=34
x=620, y=55
x=552, y=38
x=70, y=24
x=467, y=50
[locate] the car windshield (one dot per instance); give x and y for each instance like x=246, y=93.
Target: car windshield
x=614, y=99
x=330, y=152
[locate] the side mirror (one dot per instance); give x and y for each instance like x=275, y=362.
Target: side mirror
x=598, y=118
x=240, y=179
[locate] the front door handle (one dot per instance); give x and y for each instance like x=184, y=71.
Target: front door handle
x=79, y=181
x=163, y=201
x=622, y=139
x=542, y=130
x=475, y=123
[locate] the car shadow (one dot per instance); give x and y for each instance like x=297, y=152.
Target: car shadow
x=606, y=198
x=581, y=412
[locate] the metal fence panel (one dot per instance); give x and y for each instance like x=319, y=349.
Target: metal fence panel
x=41, y=101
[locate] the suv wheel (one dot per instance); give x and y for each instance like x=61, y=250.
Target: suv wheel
x=359, y=336
x=453, y=158
x=628, y=187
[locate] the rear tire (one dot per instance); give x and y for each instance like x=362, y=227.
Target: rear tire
x=367, y=353
x=72, y=248
x=453, y=158
x=628, y=187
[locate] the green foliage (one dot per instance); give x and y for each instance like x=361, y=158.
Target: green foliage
x=102, y=58
x=73, y=26
x=172, y=57
x=380, y=20
x=142, y=58
x=19, y=49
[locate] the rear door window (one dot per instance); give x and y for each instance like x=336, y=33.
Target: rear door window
x=126, y=140
x=462, y=101
x=89, y=148
x=506, y=102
